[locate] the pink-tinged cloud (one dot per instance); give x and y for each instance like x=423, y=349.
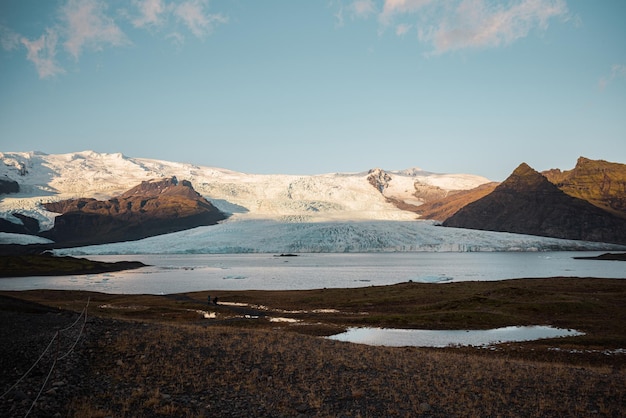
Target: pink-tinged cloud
x=402, y=29
x=42, y=52
x=392, y=8
x=87, y=25
x=150, y=13
x=199, y=22
x=362, y=8
x=482, y=24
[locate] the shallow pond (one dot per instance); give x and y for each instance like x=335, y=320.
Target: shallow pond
x=435, y=338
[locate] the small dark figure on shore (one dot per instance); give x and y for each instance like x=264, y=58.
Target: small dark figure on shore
x=209, y=299
x=215, y=300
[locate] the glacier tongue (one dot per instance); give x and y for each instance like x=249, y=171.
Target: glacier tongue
x=270, y=236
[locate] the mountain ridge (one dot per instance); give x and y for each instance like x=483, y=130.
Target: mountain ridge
x=342, y=196
x=528, y=203
x=363, y=206
x=602, y=183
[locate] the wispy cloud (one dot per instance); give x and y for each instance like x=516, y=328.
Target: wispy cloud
x=192, y=13
x=449, y=25
x=618, y=71
x=86, y=25
x=482, y=24
x=8, y=39
x=402, y=29
x=81, y=25
x=151, y=13
x=362, y=8
x=392, y=8
x=42, y=52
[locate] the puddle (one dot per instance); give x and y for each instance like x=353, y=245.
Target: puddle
x=435, y=338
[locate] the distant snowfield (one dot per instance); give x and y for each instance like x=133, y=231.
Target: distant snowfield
x=336, y=212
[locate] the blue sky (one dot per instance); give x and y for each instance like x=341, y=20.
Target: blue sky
x=310, y=87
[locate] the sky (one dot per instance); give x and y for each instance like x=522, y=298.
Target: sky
x=318, y=86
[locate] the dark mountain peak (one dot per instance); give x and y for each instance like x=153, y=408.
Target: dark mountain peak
x=525, y=178
x=528, y=203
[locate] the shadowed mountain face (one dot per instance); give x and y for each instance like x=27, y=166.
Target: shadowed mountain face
x=8, y=186
x=528, y=203
x=151, y=208
x=601, y=183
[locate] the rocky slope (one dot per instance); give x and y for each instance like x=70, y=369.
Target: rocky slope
x=151, y=208
x=599, y=182
x=527, y=203
x=443, y=208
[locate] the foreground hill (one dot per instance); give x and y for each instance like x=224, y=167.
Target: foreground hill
x=256, y=354
x=527, y=203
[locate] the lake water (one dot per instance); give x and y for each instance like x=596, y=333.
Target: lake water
x=174, y=273
x=444, y=338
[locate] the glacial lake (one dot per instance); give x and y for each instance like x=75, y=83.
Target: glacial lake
x=176, y=273
x=444, y=338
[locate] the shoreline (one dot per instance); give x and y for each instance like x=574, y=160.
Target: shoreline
x=27, y=265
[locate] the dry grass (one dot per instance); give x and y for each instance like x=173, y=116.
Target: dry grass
x=193, y=371
x=150, y=356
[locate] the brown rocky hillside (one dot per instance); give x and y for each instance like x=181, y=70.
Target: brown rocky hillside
x=443, y=208
x=151, y=208
x=527, y=203
x=599, y=182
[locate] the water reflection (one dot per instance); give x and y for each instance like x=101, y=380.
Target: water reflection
x=444, y=338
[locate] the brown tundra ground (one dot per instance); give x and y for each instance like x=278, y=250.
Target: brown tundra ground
x=177, y=355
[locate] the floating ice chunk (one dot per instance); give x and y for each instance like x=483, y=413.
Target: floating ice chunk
x=433, y=279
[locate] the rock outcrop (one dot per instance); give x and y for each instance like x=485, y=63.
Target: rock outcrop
x=527, y=203
x=151, y=208
x=8, y=186
x=599, y=182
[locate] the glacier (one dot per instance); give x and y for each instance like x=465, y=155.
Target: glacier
x=271, y=236
x=333, y=212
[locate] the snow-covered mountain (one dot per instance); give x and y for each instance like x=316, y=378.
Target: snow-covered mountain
x=338, y=196
x=333, y=212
